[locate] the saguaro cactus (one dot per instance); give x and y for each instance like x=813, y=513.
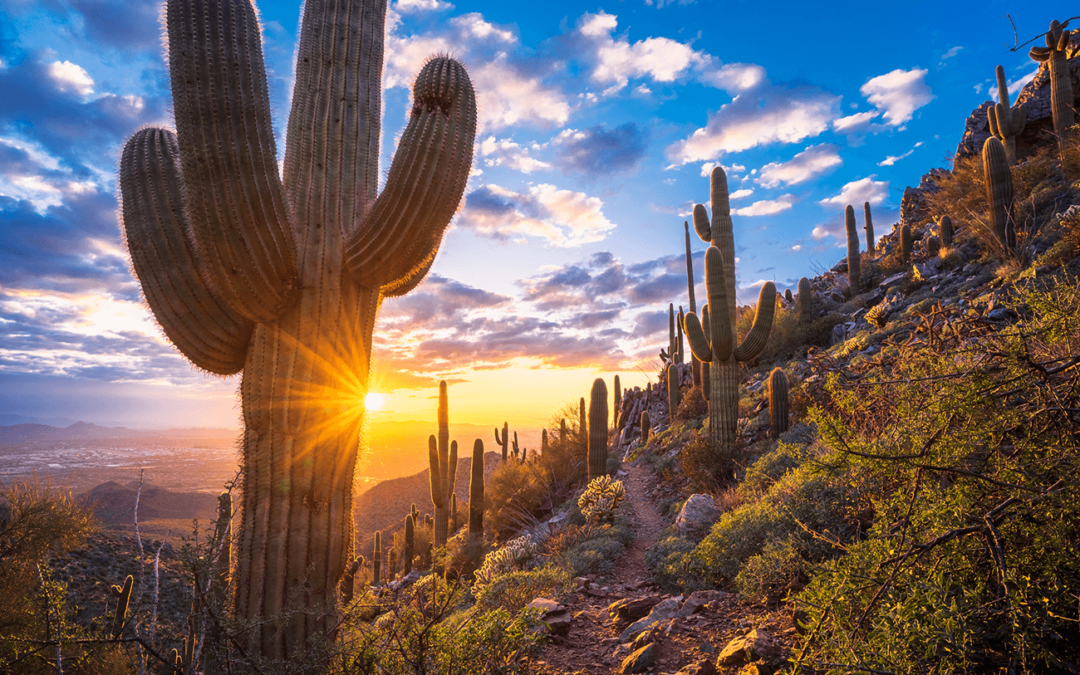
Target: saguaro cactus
x=1006, y=122
x=933, y=246
x=806, y=301
x=504, y=442
x=1061, y=91
x=476, y=491
x=617, y=403
x=123, y=600
x=905, y=243
x=717, y=347
x=644, y=426
x=678, y=356
x=598, y=429
x=376, y=559
x=583, y=428
x=778, y=402
x=673, y=390
x=852, y=250
x=695, y=365
x=281, y=276
x=410, y=544
x=945, y=227
x=869, y=227
x=442, y=468
x=999, y=192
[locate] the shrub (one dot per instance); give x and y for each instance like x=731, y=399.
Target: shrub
x=600, y=499
x=599, y=552
x=771, y=574
x=515, y=555
x=517, y=496
x=668, y=561
x=703, y=464
x=513, y=590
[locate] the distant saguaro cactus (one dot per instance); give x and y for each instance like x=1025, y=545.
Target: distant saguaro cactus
x=674, y=393
x=1061, y=91
x=598, y=429
x=583, y=427
x=123, y=600
x=905, y=243
x=1006, y=122
x=562, y=430
x=852, y=250
x=617, y=403
x=679, y=353
x=476, y=491
x=442, y=468
x=945, y=227
x=695, y=365
x=504, y=442
x=376, y=559
x=806, y=301
x=778, y=403
x=869, y=227
x=717, y=346
x=933, y=246
x=644, y=426
x=410, y=543
x=281, y=274
x=999, y=192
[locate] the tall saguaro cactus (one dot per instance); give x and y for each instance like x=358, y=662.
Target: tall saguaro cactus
x=1061, y=91
x=476, y=491
x=617, y=405
x=503, y=442
x=717, y=346
x=281, y=276
x=442, y=468
x=1006, y=122
x=598, y=429
x=778, y=403
x=806, y=301
x=869, y=227
x=999, y=192
x=852, y=250
x=695, y=365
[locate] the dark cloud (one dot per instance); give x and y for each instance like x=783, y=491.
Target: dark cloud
x=599, y=151
x=437, y=301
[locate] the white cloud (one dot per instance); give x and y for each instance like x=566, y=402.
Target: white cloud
x=951, y=53
x=421, y=5
x=707, y=167
x=505, y=152
x=734, y=77
x=859, y=191
x=854, y=123
x=796, y=247
x=761, y=116
x=890, y=160
x=767, y=207
x=741, y=194
x=563, y=217
x=617, y=60
x=71, y=77
x=898, y=94
x=814, y=161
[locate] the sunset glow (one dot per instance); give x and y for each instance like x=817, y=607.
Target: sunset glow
x=374, y=401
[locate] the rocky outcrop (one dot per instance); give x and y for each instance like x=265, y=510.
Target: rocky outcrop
x=696, y=517
x=913, y=208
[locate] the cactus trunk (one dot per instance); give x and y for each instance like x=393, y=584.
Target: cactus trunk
x=853, y=262
x=999, y=192
x=778, y=402
x=476, y=491
x=674, y=392
x=410, y=542
x=869, y=227
x=1061, y=91
x=598, y=429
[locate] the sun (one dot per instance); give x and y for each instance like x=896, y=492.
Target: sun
x=374, y=401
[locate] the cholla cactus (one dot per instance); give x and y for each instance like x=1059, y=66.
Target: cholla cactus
x=1061, y=91
x=516, y=555
x=280, y=274
x=1006, y=122
x=599, y=500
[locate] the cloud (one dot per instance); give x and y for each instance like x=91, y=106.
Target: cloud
x=437, y=302
x=599, y=151
x=890, y=160
x=140, y=27
x=70, y=77
x=741, y=194
x=856, y=123
x=408, y=6
x=767, y=207
x=953, y=51
x=764, y=115
x=505, y=152
x=814, y=161
x=898, y=94
x=563, y=217
x=618, y=60
x=859, y=191
x=734, y=77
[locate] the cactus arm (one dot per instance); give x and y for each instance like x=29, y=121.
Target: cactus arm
x=433, y=472
x=451, y=470
x=724, y=239
x=1039, y=54
x=754, y=342
x=193, y=315
x=402, y=231
x=1003, y=87
x=689, y=266
x=699, y=345
x=992, y=119
x=701, y=223
x=721, y=333
x=411, y=282
x=705, y=323
x=236, y=200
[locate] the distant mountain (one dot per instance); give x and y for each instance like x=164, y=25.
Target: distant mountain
x=114, y=504
x=10, y=419
x=78, y=431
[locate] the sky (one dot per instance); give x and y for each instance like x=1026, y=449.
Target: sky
x=598, y=126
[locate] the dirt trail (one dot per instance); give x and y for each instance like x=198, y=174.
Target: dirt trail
x=632, y=571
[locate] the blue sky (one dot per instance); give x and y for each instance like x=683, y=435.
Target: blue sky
x=598, y=126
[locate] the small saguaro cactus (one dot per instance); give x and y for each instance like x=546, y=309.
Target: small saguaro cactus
x=348, y=580
x=391, y=564
x=999, y=192
x=674, y=392
x=674, y=339
x=945, y=228
x=905, y=243
x=869, y=227
x=1006, y=122
x=442, y=468
x=806, y=301
x=428, y=522
x=788, y=297
x=598, y=429
x=453, y=514
x=617, y=403
x=679, y=353
x=583, y=427
x=717, y=347
x=933, y=246
x=695, y=365
x=476, y=491
x=504, y=442
x=410, y=543
x=280, y=273
x=1061, y=91
x=778, y=403
x=644, y=426
x=852, y=249
x=376, y=559
x=123, y=600
x=562, y=430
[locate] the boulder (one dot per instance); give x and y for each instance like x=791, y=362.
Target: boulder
x=757, y=645
x=632, y=609
x=663, y=611
x=702, y=667
x=927, y=269
x=699, y=599
x=696, y=516
x=554, y=615
x=640, y=660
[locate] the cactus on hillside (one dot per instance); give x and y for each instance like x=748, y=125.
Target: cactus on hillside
x=869, y=227
x=806, y=301
x=679, y=353
x=1061, y=91
x=348, y=580
x=905, y=243
x=598, y=429
x=410, y=543
x=617, y=403
x=442, y=468
x=562, y=430
x=453, y=515
x=391, y=564
x=778, y=403
x=718, y=347
x=123, y=601
x=644, y=426
x=504, y=442
x=376, y=559
x=1006, y=122
x=476, y=491
x=853, y=261
x=674, y=393
x=281, y=275
x=933, y=246
x=583, y=427
x=945, y=227
x=999, y=192
x=695, y=365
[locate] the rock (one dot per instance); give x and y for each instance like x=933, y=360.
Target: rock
x=639, y=660
x=913, y=209
x=926, y=270
x=702, y=667
x=699, y=599
x=661, y=612
x=753, y=647
x=976, y=131
x=1003, y=314
x=632, y=609
x=696, y=517
x=894, y=280
x=554, y=615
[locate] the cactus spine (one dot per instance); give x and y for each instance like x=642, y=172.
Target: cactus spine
x=476, y=491
x=719, y=348
x=442, y=468
x=505, y=441
x=376, y=559
x=281, y=276
x=933, y=246
x=1006, y=122
x=806, y=301
x=869, y=227
x=673, y=391
x=410, y=543
x=852, y=250
x=123, y=600
x=999, y=192
x=945, y=227
x=644, y=426
x=598, y=429
x=905, y=243
x=778, y=402
x=1061, y=91
x=616, y=407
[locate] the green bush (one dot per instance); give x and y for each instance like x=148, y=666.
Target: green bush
x=668, y=561
x=513, y=590
x=599, y=553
